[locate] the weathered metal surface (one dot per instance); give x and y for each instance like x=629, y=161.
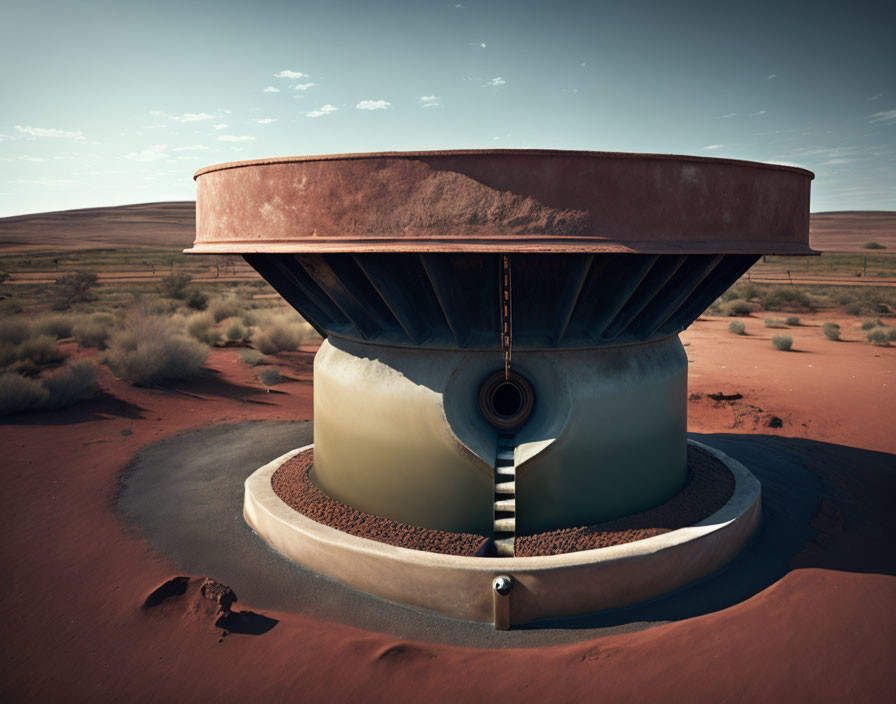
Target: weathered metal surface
x=502, y=201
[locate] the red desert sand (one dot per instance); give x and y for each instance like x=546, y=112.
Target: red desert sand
x=76, y=576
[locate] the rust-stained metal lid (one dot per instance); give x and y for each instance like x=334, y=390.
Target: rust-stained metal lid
x=504, y=200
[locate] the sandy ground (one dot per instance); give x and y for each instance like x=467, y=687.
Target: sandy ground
x=824, y=629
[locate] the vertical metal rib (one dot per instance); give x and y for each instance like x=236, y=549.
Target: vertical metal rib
x=619, y=284
x=719, y=280
x=281, y=279
x=439, y=273
x=318, y=268
x=675, y=293
x=578, y=274
x=396, y=293
x=649, y=288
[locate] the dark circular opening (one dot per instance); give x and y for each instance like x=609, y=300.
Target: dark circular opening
x=506, y=403
x=507, y=399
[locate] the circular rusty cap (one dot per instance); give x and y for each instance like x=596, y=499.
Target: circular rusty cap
x=506, y=200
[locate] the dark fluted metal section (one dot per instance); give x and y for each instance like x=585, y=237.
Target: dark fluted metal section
x=452, y=300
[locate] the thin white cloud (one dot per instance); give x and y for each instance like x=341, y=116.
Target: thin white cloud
x=323, y=110
x=583, y=65
x=220, y=126
x=192, y=117
x=265, y=120
x=50, y=132
x=482, y=44
x=191, y=157
x=192, y=148
x=23, y=157
x=428, y=101
x=458, y=6
x=875, y=97
x=770, y=77
x=153, y=153
x=887, y=116
x=271, y=89
x=236, y=138
x=727, y=115
x=837, y=161
x=496, y=81
x=304, y=86
x=757, y=114
x=286, y=73
x=373, y=105
x=44, y=181
x=711, y=147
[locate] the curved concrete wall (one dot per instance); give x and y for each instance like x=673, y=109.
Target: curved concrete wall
x=398, y=433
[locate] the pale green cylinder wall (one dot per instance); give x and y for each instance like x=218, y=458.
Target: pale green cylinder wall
x=398, y=433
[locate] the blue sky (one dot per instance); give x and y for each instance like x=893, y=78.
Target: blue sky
x=108, y=103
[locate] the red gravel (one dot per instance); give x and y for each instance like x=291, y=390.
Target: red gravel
x=710, y=488
x=293, y=485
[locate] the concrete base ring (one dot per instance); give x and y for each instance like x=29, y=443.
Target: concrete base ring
x=469, y=588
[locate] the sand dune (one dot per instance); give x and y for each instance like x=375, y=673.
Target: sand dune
x=173, y=224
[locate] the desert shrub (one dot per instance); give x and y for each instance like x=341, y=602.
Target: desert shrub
x=19, y=393
x=279, y=333
x=853, y=309
x=151, y=349
x=235, y=331
x=868, y=324
x=72, y=383
x=14, y=330
x=94, y=330
x=57, y=325
x=202, y=327
x=737, y=327
x=9, y=306
x=269, y=376
x=175, y=285
x=197, y=300
x=881, y=335
x=782, y=343
x=40, y=350
x=789, y=297
x=873, y=245
x=251, y=357
x=738, y=307
x=225, y=308
x=831, y=331
x=774, y=323
x=792, y=320
x=73, y=288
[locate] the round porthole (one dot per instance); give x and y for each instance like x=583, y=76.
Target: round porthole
x=506, y=403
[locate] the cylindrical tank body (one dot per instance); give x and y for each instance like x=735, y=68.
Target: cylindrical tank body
x=398, y=433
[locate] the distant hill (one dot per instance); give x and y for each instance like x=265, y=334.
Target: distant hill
x=146, y=225
x=173, y=225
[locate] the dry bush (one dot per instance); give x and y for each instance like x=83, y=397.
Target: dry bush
x=14, y=330
x=223, y=308
x=269, y=376
x=789, y=297
x=774, y=323
x=873, y=245
x=175, y=285
x=202, y=327
x=234, y=330
x=251, y=357
x=792, y=321
x=197, y=300
x=868, y=324
x=831, y=331
x=881, y=335
x=74, y=382
x=94, y=330
x=738, y=307
x=782, y=343
x=151, y=349
x=73, y=288
x=39, y=351
x=19, y=393
x=65, y=387
x=737, y=327
x=279, y=333
x=58, y=325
